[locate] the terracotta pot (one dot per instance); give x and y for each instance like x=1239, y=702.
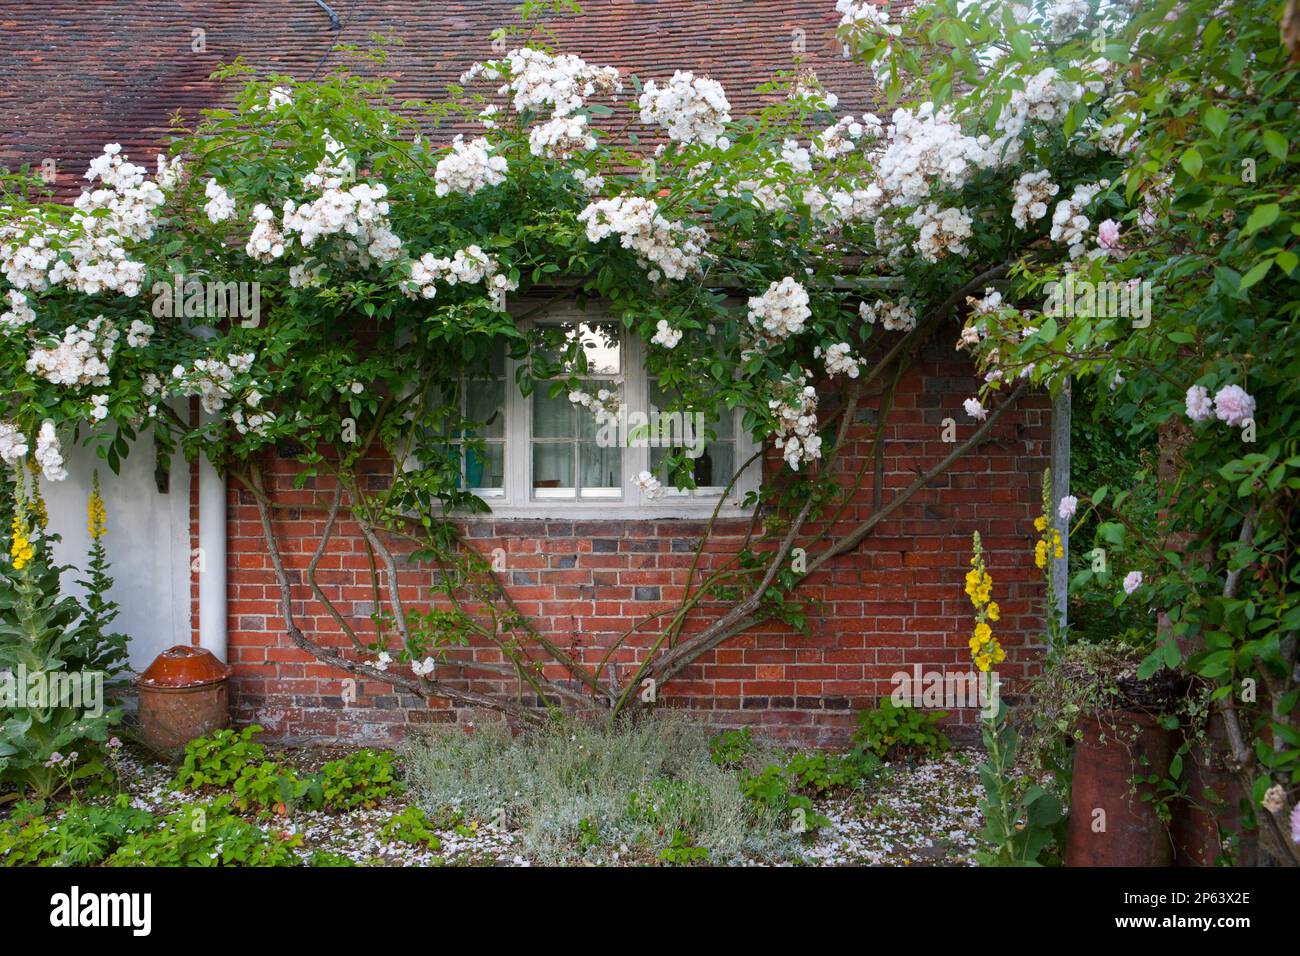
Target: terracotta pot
x=1212, y=808
x=1107, y=758
x=183, y=695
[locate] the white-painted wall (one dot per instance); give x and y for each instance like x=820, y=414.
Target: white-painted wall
x=148, y=542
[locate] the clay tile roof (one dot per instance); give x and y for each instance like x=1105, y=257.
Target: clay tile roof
x=80, y=75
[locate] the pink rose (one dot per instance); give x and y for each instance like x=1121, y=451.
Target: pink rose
x=1132, y=581
x=974, y=409
x=1108, y=234
x=1199, y=406
x=1233, y=405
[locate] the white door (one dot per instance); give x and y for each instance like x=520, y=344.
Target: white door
x=148, y=541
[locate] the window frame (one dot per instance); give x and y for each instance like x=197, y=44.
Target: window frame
x=518, y=500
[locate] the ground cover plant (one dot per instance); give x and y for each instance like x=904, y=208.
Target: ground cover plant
x=661, y=791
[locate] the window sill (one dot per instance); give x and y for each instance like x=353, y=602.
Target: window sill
x=610, y=510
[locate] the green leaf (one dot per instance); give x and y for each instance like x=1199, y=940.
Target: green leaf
x=1261, y=217
x=1216, y=120
x=1275, y=143
x=1192, y=162
x=1172, y=655
x=1254, y=275
x=1020, y=46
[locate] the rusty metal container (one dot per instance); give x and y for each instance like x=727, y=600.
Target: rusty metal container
x=1211, y=809
x=1105, y=764
x=183, y=695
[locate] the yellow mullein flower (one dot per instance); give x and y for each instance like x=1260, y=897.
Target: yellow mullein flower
x=1040, y=554
x=20, y=550
x=978, y=586
x=97, y=515
x=1040, y=524
x=984, y=647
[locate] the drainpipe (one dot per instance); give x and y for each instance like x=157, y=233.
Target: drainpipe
x=1061, y=415
x=212, y=544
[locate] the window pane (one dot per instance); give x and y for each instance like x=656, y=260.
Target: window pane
x=662, y=402
x=717, y=465
x=604, y=354
x=707, y=468
x=588, y=428
x=602, y=470
x=486, y=470
x=600, y=344
x=552, y=417
x=725, y=426
x=677, y=430
x=485, y=405
x=553, y=470
x=659, y=468
x=441, y=413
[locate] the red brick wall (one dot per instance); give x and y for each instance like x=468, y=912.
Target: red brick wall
x=895, y=603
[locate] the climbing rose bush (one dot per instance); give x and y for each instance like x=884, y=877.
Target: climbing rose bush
x=1047, y=146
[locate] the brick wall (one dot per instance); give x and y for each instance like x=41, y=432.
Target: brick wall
x=897, y=602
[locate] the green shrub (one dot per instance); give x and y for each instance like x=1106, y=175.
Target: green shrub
x=411, y=826
x=681, y=851
x=732, y=747
x=785, y=789
x=267, y=787
x=88, y=834
x=121, y=835
x=776, y=792
x=84, y=836
x=588, y=834
x=890, y=731
x=823, y=773
x=361, y=779
x=662, y=801
x=233, y=759
x=206, y=835
x=23, y=837
x=218, y=759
